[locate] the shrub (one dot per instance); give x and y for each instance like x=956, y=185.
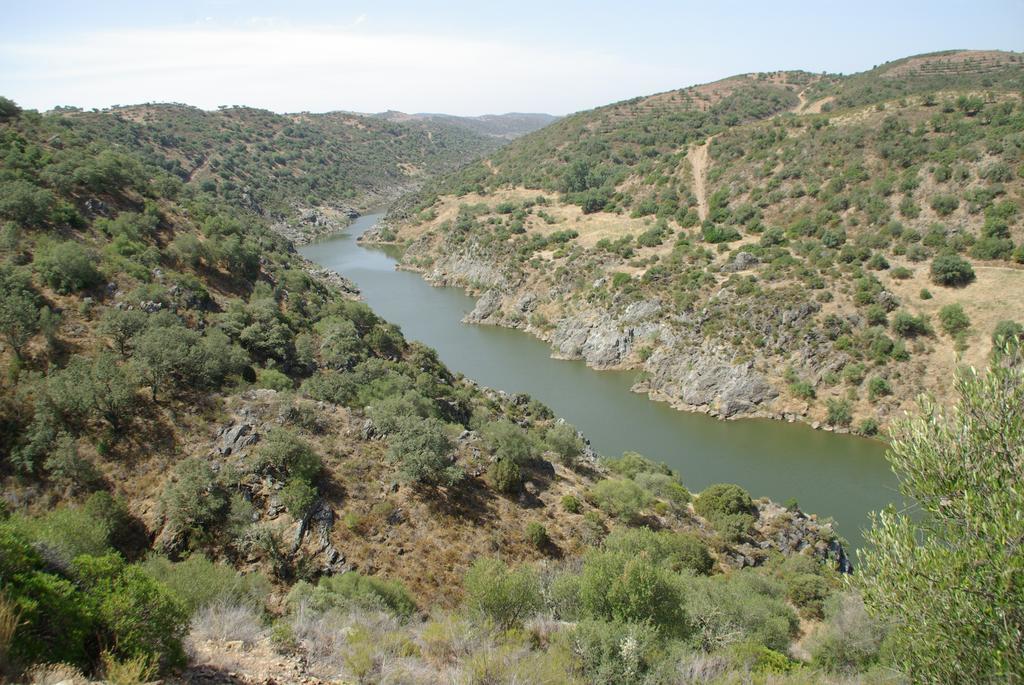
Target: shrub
x=507, y=441
x=353, y=590
x=953, y=319
x=945, y=204
x=193, y=501
x=286, y=455
x=665, y=487
x=422, y=449
x=505, y=475
x=564, y=440
x=868, y=427
x=616, y=586
x=723, y=499
x=878, y=387
x=537, y=534
x=740, y=606
x=298, y=496
x=632, y=464
x=199, y=583
x=907, y=325
x=1008, y=333
x=850, y=640
x=272, y=379
x=808, y=592
x=675, y=551
x=142, y=616
x=615, y=652
x=499, y=594
x=571, y=504
x=67, y=267
x=838, y=412
x=951, y=270
x=621, y=498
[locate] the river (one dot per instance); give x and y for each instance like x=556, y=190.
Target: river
x=839, y=476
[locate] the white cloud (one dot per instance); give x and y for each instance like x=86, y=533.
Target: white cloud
x=317, y=69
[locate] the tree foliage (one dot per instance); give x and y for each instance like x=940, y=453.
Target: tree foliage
x=950, y=578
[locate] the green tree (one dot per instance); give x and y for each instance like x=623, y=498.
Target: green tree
x=950, y=579
x=121, y=325
x=422, y=450
x=168, y=353
x=19, y=316
x=953, y=319
x=951, y=270
x=67, y=267
x=500, y=594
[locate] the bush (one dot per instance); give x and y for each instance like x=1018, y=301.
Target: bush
x=617, y=586
x=808, y=592
x=286, y=455
x=298, y=496
x=571, y=504
x=67, y=267
x=141, y=616
x=620, y=498
x=505, y=476
x=422, y=449
x=944, y=205
x=666, y=488
x=611, y=652
x=564, y=440
x=878, y=387
x=353, y=590
x=723, y=499
x=740, y=606
x=501, y=595
x=537, y=534
x=951, y=270
x=631, y=464
x=675, y=551
x=850, y=640
x=953, y=319
x=193, y=501
x=199, y=583
x=272, y=379
x=507, y=441
x=838, y=412
x=907, y=325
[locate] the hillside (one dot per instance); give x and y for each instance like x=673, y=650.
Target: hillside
x=305, y=172
x=212, y=456
x=797, y=246
x=503, y=126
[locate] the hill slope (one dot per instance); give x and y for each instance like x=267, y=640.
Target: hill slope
x=790, y=245
x=305, y=172
x=200, y=439
x=504, y=126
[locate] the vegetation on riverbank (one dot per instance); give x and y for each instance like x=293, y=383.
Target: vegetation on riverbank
x=782, y=245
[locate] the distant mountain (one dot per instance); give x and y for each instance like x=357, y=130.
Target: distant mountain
x=506, y=126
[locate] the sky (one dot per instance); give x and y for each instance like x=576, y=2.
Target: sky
x=456, y=57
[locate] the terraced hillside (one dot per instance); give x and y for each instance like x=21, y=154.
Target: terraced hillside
x=305, y=172
x=806, y=247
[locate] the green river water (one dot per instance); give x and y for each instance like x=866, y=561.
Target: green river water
x=840, y=476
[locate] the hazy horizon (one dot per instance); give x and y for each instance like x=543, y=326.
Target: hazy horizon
x=457, y=59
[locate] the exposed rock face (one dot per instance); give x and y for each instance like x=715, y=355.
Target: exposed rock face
x=741, y=262
x=485, y=308
x=702, y=378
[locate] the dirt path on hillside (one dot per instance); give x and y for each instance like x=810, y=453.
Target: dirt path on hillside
x=699, y=160
x=815, y=107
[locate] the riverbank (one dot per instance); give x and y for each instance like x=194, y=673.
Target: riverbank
x=839, y=476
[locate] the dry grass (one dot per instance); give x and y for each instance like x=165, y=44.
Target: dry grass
x=227, y=623
x=133, y=671
x=55, y=674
